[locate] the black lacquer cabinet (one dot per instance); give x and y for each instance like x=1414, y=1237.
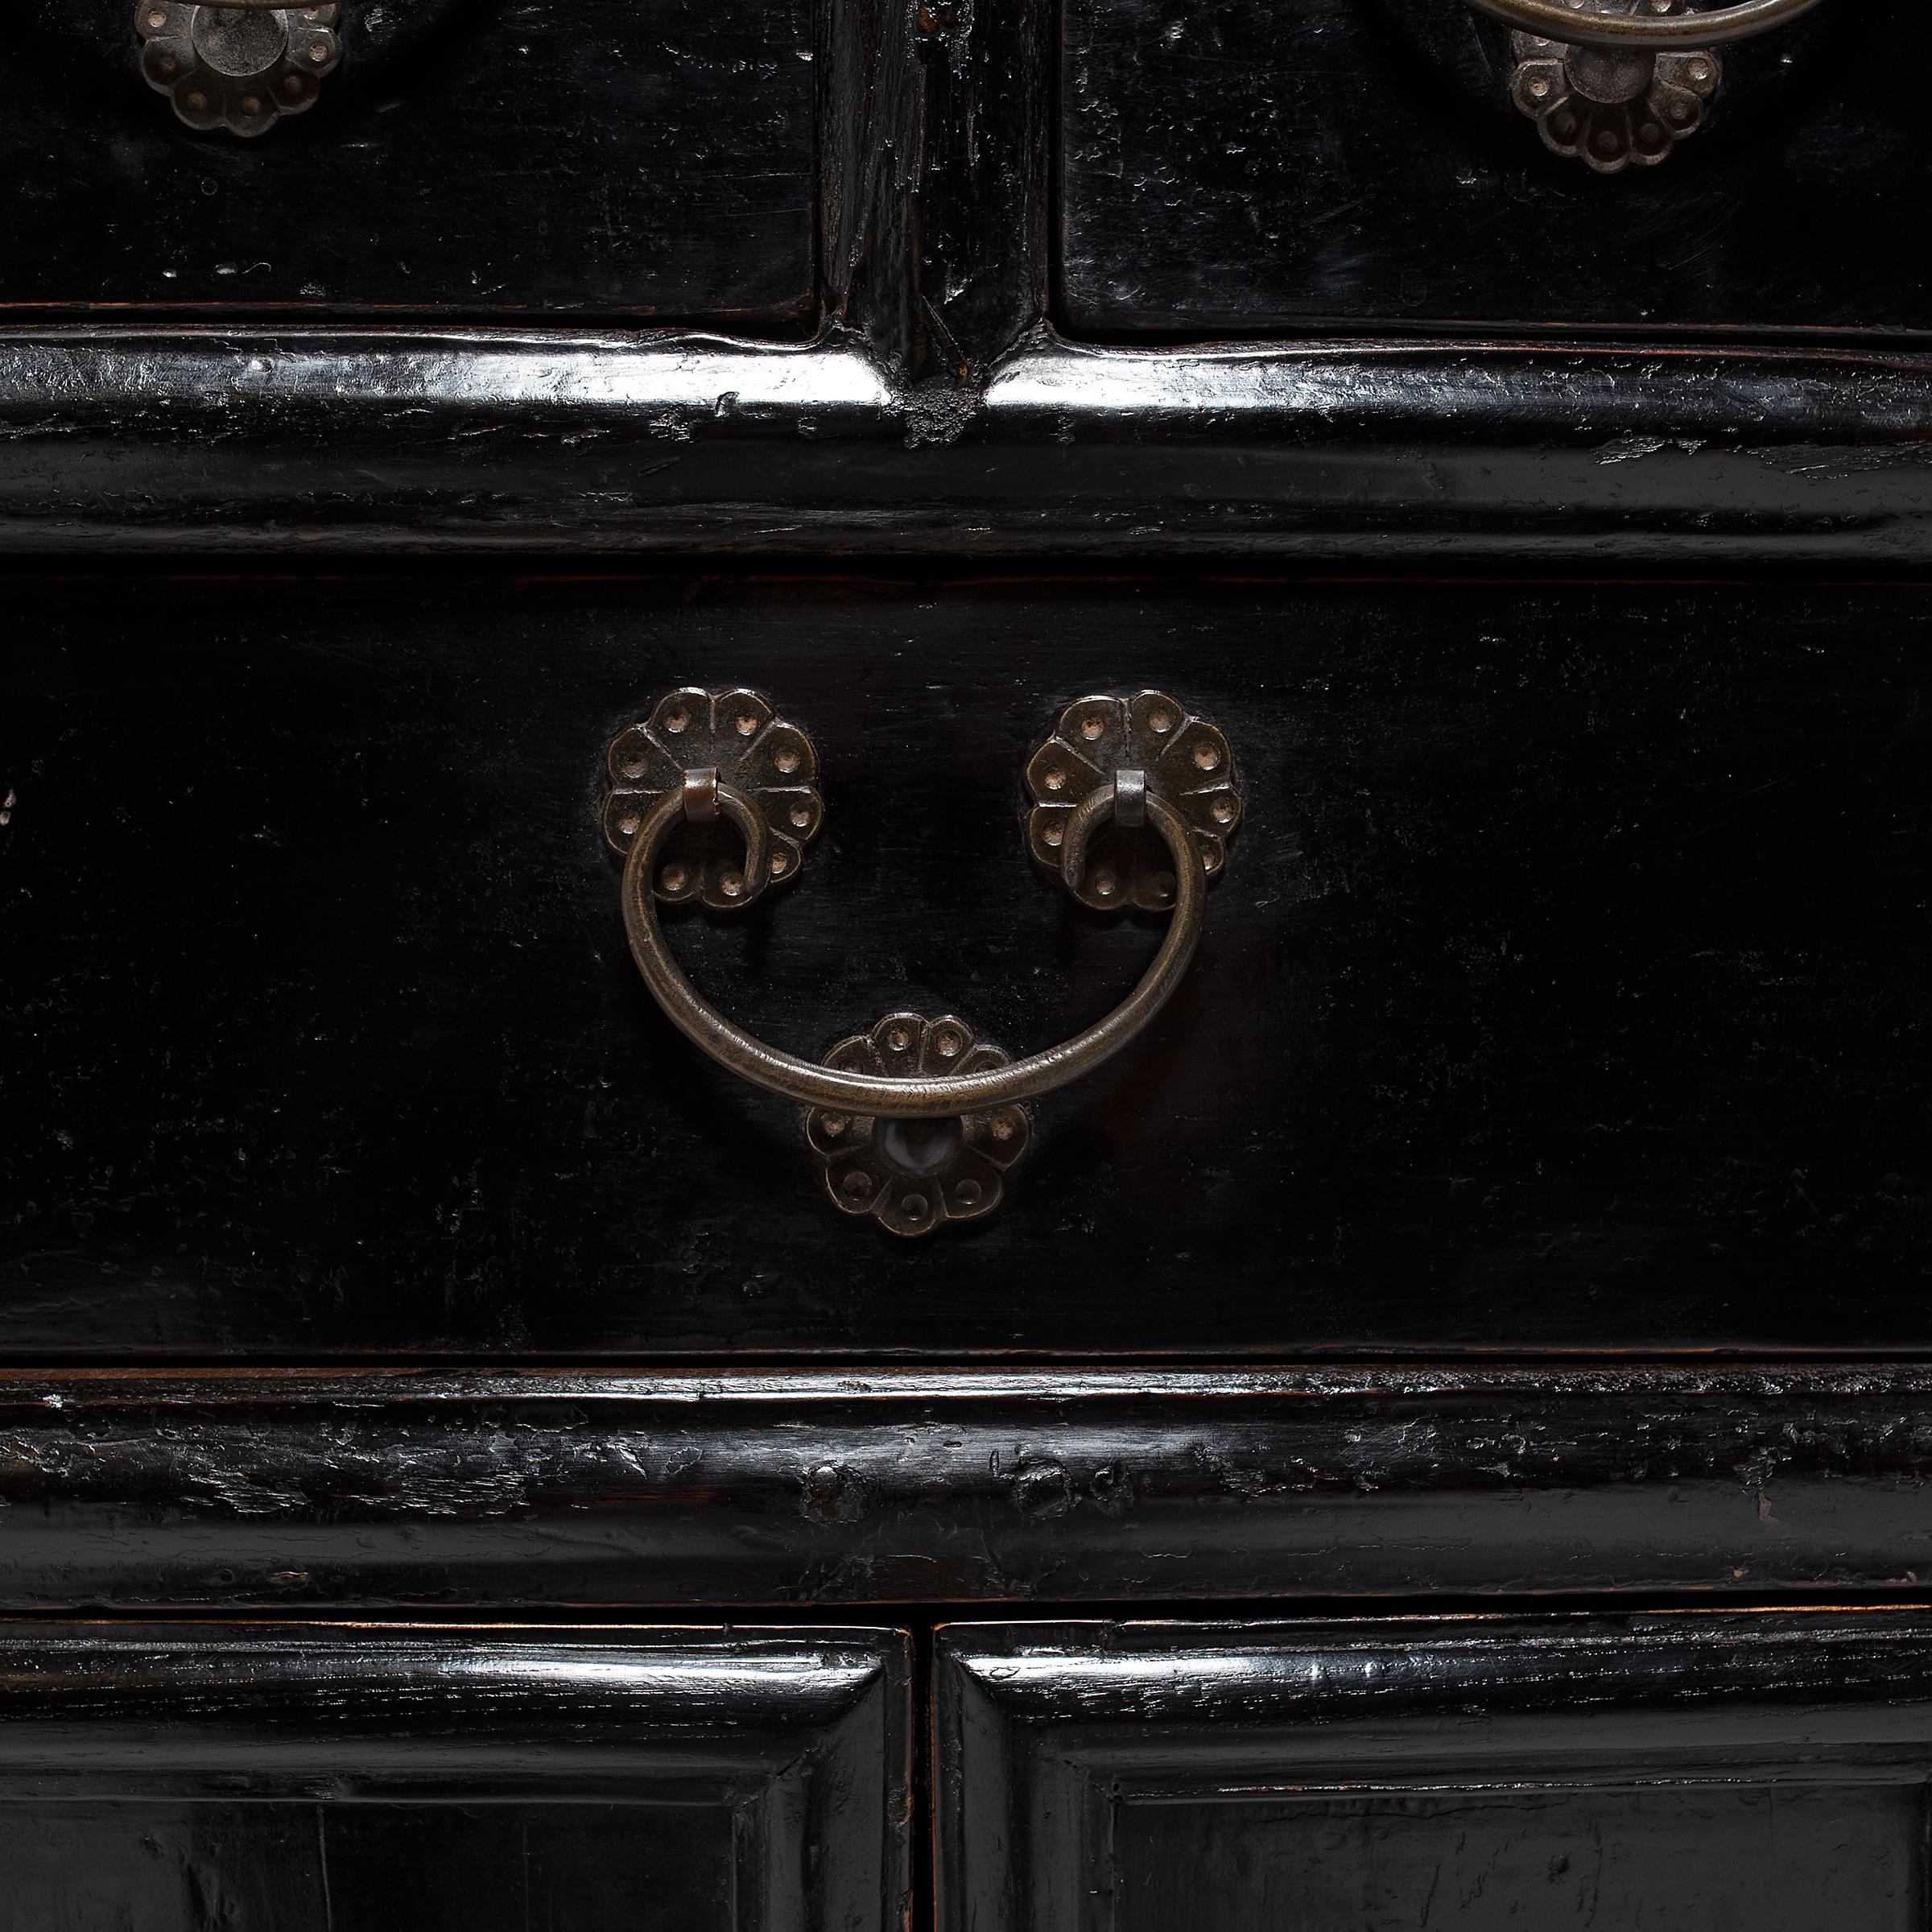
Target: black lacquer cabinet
x=965, y=967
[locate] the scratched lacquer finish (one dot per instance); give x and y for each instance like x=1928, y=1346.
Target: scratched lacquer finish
x=266, y=1778
x=648, y=158
x=1249, y=170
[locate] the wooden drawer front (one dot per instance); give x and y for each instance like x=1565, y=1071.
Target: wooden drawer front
x=1564, y=987
x=649, y=158
x=1693, y=1773
x=161, y=1778
x=1243, y=169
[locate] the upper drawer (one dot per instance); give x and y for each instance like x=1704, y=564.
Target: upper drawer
x=646, y=158
x=1563, y=986
x=1246, y=169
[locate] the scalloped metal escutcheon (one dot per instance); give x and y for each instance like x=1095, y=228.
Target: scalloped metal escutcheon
x=1613, y=108
x=238, y=67
x=737, y=735
x=912, y=1176
x=1187, y=762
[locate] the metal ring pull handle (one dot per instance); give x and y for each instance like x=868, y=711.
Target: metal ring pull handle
x=1644, y=30
x=922, y=1097
x=1134, y=800
x=1618, y=84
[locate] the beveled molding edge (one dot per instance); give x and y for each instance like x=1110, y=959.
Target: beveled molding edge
x=247, y=1489
x=269, y=441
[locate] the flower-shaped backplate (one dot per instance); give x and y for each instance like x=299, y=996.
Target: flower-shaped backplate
x=735, y=733
x=914, y=1174
x=242, y=69
x=1613, y=110
x=1187, y=763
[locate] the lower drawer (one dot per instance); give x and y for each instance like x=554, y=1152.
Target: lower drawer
x=1690, y=1772
x=1564, y=987
x=166, y=1777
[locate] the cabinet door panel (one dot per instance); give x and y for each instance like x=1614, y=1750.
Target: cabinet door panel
x=1693, y=1773
x=163, y=1778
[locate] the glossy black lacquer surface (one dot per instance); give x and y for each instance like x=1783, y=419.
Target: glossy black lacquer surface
x=298, y=1489
x=1407, y=453
x=654, y=158
x=166, y=1777
x=1247, y=170
x=1728, y=1773
x=1564, y=991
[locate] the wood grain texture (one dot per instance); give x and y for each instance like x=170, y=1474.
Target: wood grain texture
x=164, y=1778
x=654, y=158
x=523, y=1490
x=1563, y=992
x=1690, y=1770
x=1358, y=164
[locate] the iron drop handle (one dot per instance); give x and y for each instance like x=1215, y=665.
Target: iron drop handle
x=1132, y=802
x=1644, y=30
x=769, y=764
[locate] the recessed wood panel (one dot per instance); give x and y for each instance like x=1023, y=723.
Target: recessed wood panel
x=1685, y=1857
